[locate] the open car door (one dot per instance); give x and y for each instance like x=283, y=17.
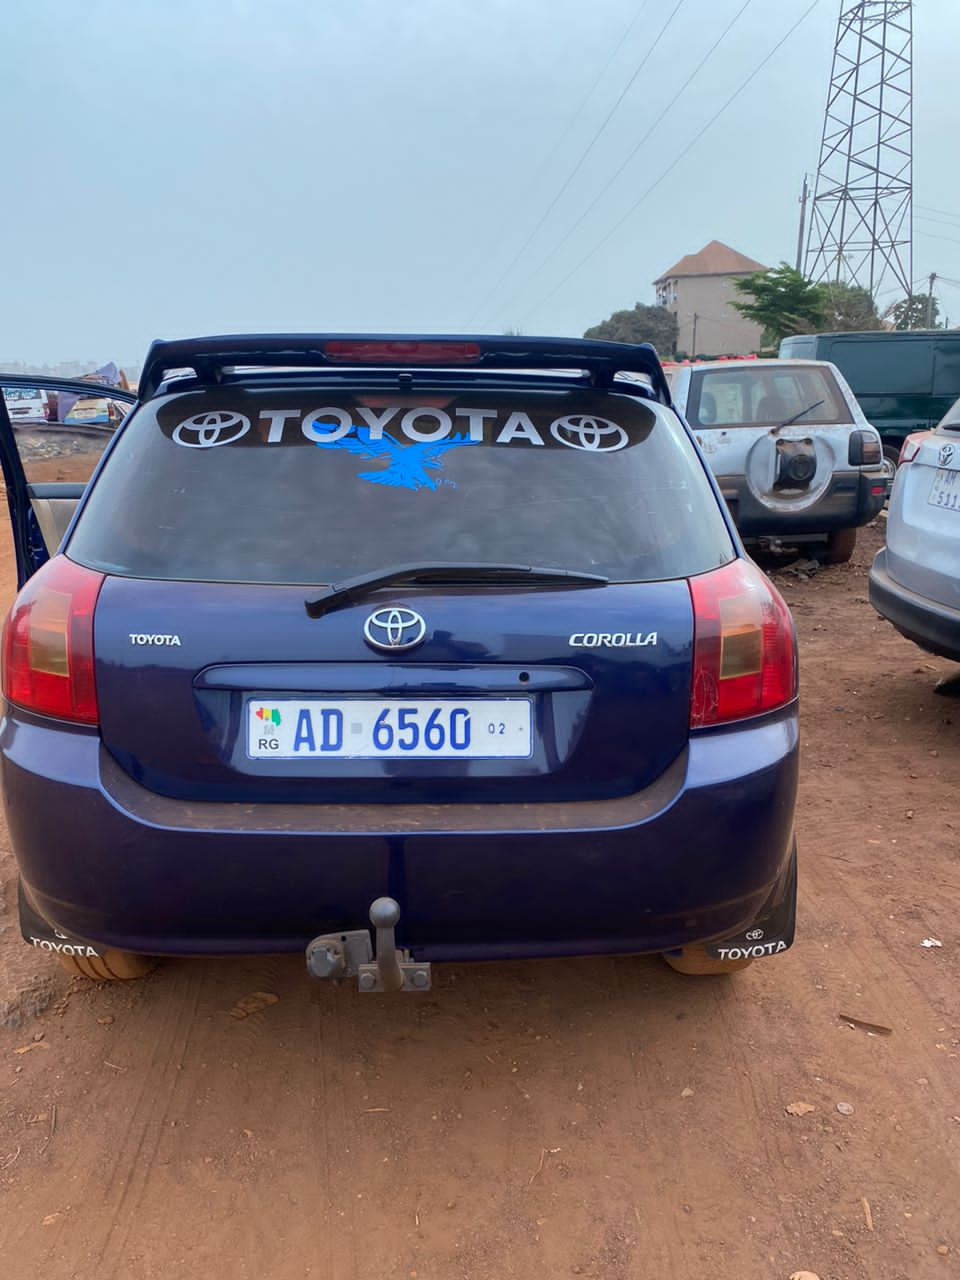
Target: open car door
x=53, y=432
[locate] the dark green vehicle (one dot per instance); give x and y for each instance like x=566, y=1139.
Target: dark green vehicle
x=903, y=381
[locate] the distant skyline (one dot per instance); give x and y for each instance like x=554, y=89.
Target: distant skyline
x=400, y=165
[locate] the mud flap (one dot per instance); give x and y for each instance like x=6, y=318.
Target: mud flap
x=38, y=933
x=773, y=930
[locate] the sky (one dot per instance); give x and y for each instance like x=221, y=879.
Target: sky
x=181, y=167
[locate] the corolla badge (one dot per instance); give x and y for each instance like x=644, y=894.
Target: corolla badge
x=207, y=430
x=394, y=629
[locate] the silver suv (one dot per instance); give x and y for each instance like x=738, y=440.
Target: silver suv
x=915, y=579
x=793, y=455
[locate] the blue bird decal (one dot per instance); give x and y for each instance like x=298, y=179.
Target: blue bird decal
x=409, y=464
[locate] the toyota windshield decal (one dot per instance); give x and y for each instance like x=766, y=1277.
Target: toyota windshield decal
x=402, y=443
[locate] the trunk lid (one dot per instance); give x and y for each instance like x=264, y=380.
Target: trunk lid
x=606, y=673
x=221, y=513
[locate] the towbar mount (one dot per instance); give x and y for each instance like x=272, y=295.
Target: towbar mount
x=352, y=955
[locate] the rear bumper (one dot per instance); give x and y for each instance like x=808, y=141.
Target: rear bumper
x=933, y=626
x=847, y=503
x=699, y=855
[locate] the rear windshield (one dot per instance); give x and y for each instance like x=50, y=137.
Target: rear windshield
x=249, y=485
x=764, y=396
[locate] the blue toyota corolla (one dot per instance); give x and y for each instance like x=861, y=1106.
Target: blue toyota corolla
x=450, y=637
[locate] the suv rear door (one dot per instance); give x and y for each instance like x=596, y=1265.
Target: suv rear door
x=742, y=414
x=220, y=547
x=48, y=460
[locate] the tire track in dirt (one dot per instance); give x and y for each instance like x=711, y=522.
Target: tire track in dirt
x=235, y=1140
x=144, y=1131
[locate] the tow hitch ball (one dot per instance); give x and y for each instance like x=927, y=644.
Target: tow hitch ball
x=351, y=955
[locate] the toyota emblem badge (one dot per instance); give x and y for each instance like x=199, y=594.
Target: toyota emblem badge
x=394, y=629
x=207, y=430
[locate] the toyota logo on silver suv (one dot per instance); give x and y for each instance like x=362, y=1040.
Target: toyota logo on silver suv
x=394, y=629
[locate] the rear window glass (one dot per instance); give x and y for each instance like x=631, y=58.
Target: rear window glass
x=891, y=366
x=764, y=396
x=14, y=395
x=313, y=486
x=946, y=366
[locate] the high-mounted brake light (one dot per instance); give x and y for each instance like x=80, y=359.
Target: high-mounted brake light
x=744, y=650
x=911, y=446
x=428, y=353
x=48, y=664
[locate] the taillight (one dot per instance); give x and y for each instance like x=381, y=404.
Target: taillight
x=356, y=351
x=864, y=449
x=48, y=643
x=744, y=652
x=911, y=446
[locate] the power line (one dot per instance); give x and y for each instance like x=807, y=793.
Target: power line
x=898, y=288
x=946, y=213
x=940, y=222
x=680, y=156
x=576, y=168
x=930, y=235
x=604, y=189
x=565, y=133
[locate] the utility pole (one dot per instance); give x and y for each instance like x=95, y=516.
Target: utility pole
x=803, y=221
x=933, y=276
x=693, y=340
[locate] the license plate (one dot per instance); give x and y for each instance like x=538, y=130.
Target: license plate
x=389, y=729
x=945, y=490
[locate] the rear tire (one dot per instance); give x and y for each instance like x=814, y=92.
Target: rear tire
x=112, y=966
x=697, y=963
x=840, y=546
x=890, y=459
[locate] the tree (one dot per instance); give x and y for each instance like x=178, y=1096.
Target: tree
x=641, y=324
x=912, y=313
x=848, y=308
x=784, y=302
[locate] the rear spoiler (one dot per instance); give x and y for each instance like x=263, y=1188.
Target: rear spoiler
x=209, y=357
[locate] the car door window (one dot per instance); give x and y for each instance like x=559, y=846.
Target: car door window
x=57, y=434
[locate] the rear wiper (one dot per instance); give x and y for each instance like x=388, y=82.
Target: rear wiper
x=797, y=416
x=340, y=593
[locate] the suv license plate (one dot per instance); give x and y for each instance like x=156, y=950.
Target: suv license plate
x=389, y=729
x=945, y=490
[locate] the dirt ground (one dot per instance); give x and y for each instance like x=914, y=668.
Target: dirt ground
x=596, y=1118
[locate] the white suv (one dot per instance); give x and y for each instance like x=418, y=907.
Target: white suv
x=915, y=579
x=793, y=455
